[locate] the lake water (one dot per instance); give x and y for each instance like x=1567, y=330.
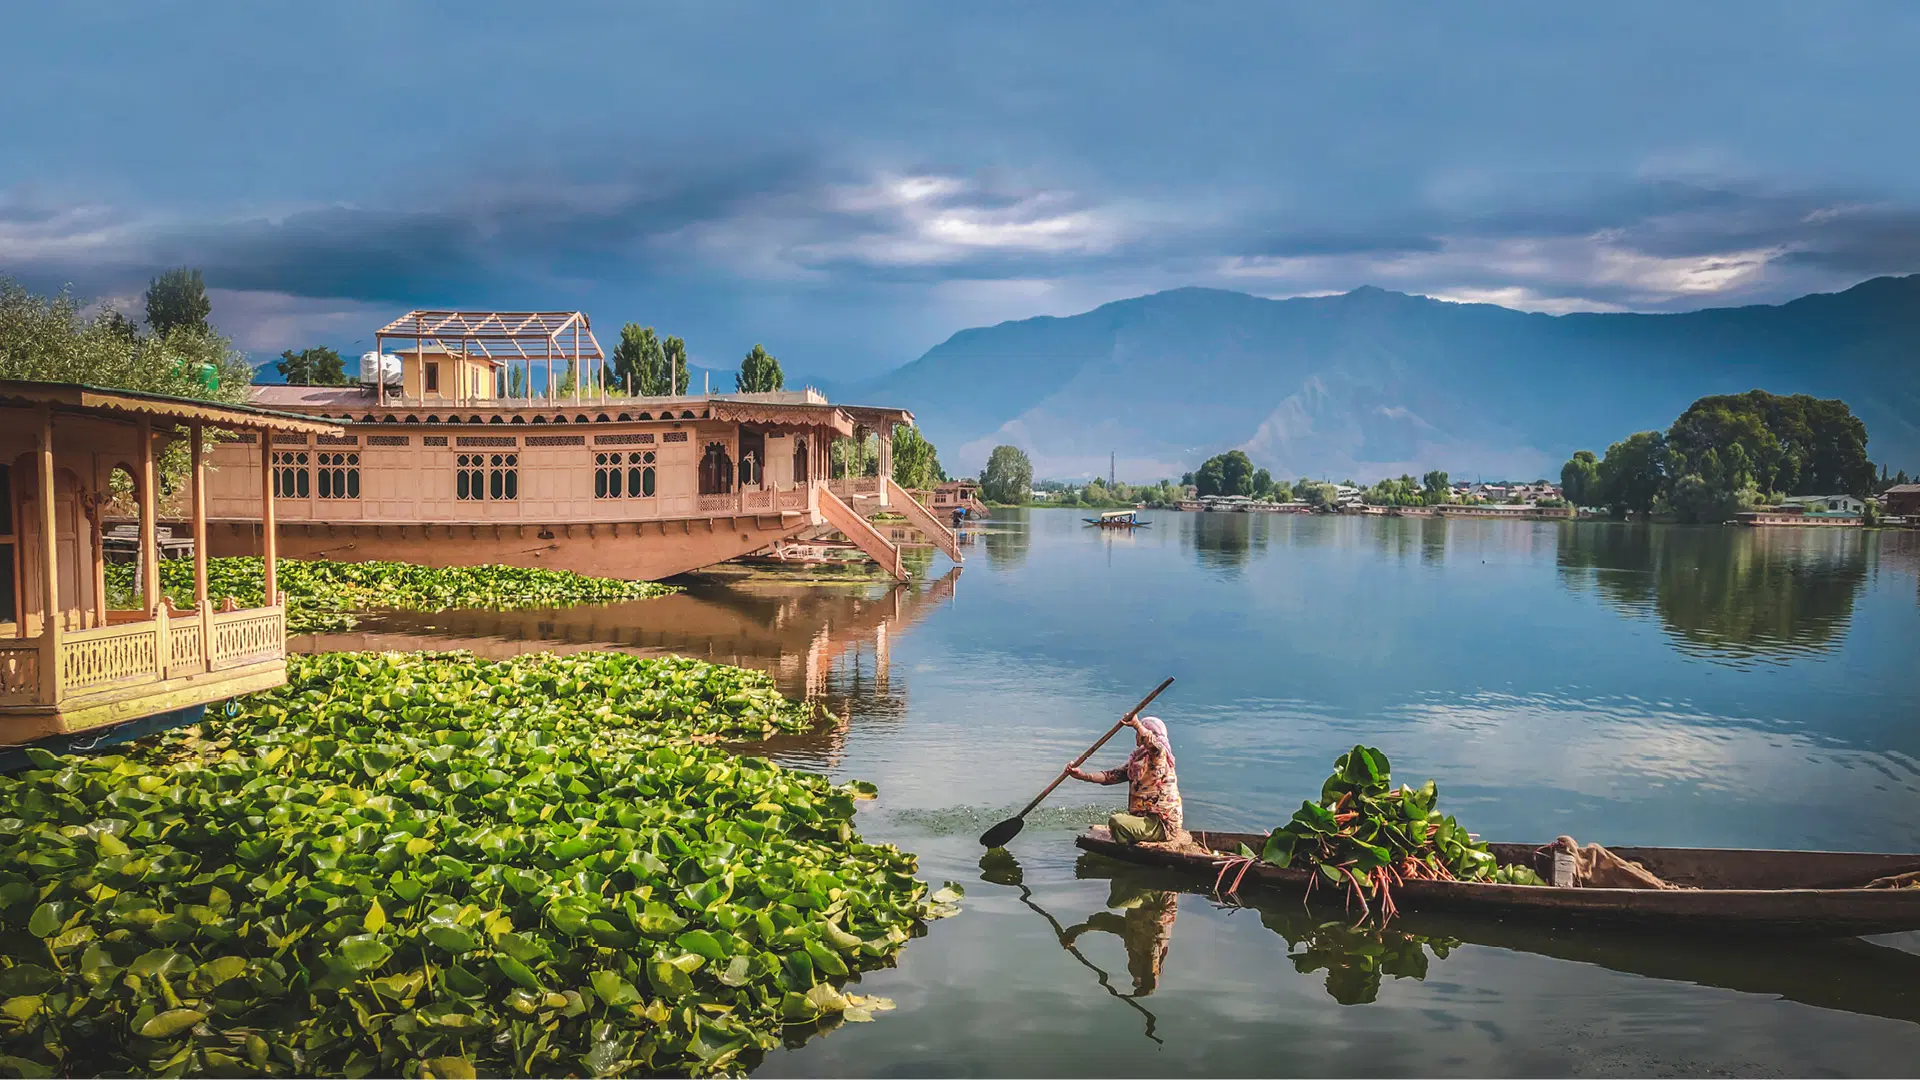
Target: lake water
x=1624, y=684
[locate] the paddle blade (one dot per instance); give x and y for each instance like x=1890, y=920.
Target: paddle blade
x=999, y=835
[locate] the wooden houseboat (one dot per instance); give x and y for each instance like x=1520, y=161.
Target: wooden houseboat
x=70, y=662
x=444, y=466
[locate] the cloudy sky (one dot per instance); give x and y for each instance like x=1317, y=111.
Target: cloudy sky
x=850, y=182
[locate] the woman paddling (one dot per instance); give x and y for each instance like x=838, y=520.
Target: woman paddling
x=1153, y=794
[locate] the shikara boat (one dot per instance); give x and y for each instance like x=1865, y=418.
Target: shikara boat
x=1817, y=893
x=1118, y=519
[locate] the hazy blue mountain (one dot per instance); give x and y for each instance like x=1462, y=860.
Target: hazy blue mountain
x=1372, y=382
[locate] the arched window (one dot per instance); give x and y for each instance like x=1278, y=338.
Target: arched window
x=339, y=475
x=716, y=470
x=290, y=476
x=800, y=461
x=645, y=473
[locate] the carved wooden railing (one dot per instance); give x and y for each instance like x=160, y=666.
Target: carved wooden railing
x=186, y=651
x=111, y=654
x=247, y=637
x=845, y=486
x=792, y=500
x=19, y=671
x=722, y=504
x=751, y=499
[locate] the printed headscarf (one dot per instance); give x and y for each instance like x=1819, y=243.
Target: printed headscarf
x=1155, y=733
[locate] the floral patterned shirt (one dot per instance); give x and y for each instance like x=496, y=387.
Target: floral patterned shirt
x=1156, y=791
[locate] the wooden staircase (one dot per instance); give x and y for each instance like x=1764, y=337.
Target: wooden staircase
x=864, y=536
x=898, y=498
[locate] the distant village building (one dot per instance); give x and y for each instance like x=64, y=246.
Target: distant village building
x=1902, y=500
x=1831, y=504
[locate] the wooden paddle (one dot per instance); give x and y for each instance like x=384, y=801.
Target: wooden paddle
x=1010, y=828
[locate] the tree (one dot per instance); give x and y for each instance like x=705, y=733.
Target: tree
x=638, y=361
x=1436, y=486
x=759, y=373
x=677, y=375
x=916, y=465
x=1008, y=477
x=1320, y=496
x=1580, y=479
x=177, y=300
x=312, y=367
x=1230, y=473
x=1795, y=445
x=47, y=339
x=1633, y=474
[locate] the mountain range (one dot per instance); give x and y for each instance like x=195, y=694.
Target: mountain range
x=1372, y=383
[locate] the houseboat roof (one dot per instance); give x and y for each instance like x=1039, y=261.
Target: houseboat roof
x=162, y=406
x=784, y=408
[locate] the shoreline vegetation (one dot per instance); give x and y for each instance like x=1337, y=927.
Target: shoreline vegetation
x=324, y=596
x=433, y=865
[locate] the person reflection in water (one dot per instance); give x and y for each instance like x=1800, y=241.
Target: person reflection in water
x=1146, y=929
x=1153, y=795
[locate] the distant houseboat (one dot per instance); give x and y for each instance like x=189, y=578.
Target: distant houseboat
x=1118, y=519
x=449, y=459
x=1793, y=516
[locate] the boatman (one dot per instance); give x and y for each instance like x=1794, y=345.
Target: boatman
x=1153, y=794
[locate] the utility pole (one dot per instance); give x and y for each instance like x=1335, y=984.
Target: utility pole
x=1110, y=459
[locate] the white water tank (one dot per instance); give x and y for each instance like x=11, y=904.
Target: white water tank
x=377, y=366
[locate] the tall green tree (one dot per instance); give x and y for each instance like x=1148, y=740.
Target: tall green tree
x=1262, y=484
x=1633, y=474
x=677, y=375
x=916, y=464
x=177, y=300
x=319, y=366
x=759, y=373
x=1230, y=473
x=1436, y=486
x=1008, y=477
x=1792, y=445
x=638, y=362
x=1580, y=479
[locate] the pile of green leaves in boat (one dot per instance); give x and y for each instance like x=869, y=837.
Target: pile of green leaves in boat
x=323, y=595
x=1366, y=835
x=429, y=865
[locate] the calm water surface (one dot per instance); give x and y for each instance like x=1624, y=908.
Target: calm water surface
x=1630, y=685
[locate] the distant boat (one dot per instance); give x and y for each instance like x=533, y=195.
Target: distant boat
x=1118, y=519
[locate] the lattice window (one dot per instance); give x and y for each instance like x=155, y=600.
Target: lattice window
x=629, y=475
x=643, y=439
x=556, y=440
x=339, y=440
x=396, y=440
x=289, y=440
x=339, y=476
x=290, y=480
x=503, y=476
x=485, y=440
x=488, y=477
x=248, y=438
x=674, y=436
x=433, y=440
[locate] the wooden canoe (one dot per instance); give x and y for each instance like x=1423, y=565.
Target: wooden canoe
x=1728, y=891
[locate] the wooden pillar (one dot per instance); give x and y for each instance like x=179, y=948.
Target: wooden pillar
x=50, y=629
x=198, y=447
x=886, y=459
x=149, y=520
x=269, y=532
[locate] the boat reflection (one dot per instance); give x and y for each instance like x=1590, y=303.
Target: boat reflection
x=1855, y=975
x=829, y=643
x=1145, y=934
